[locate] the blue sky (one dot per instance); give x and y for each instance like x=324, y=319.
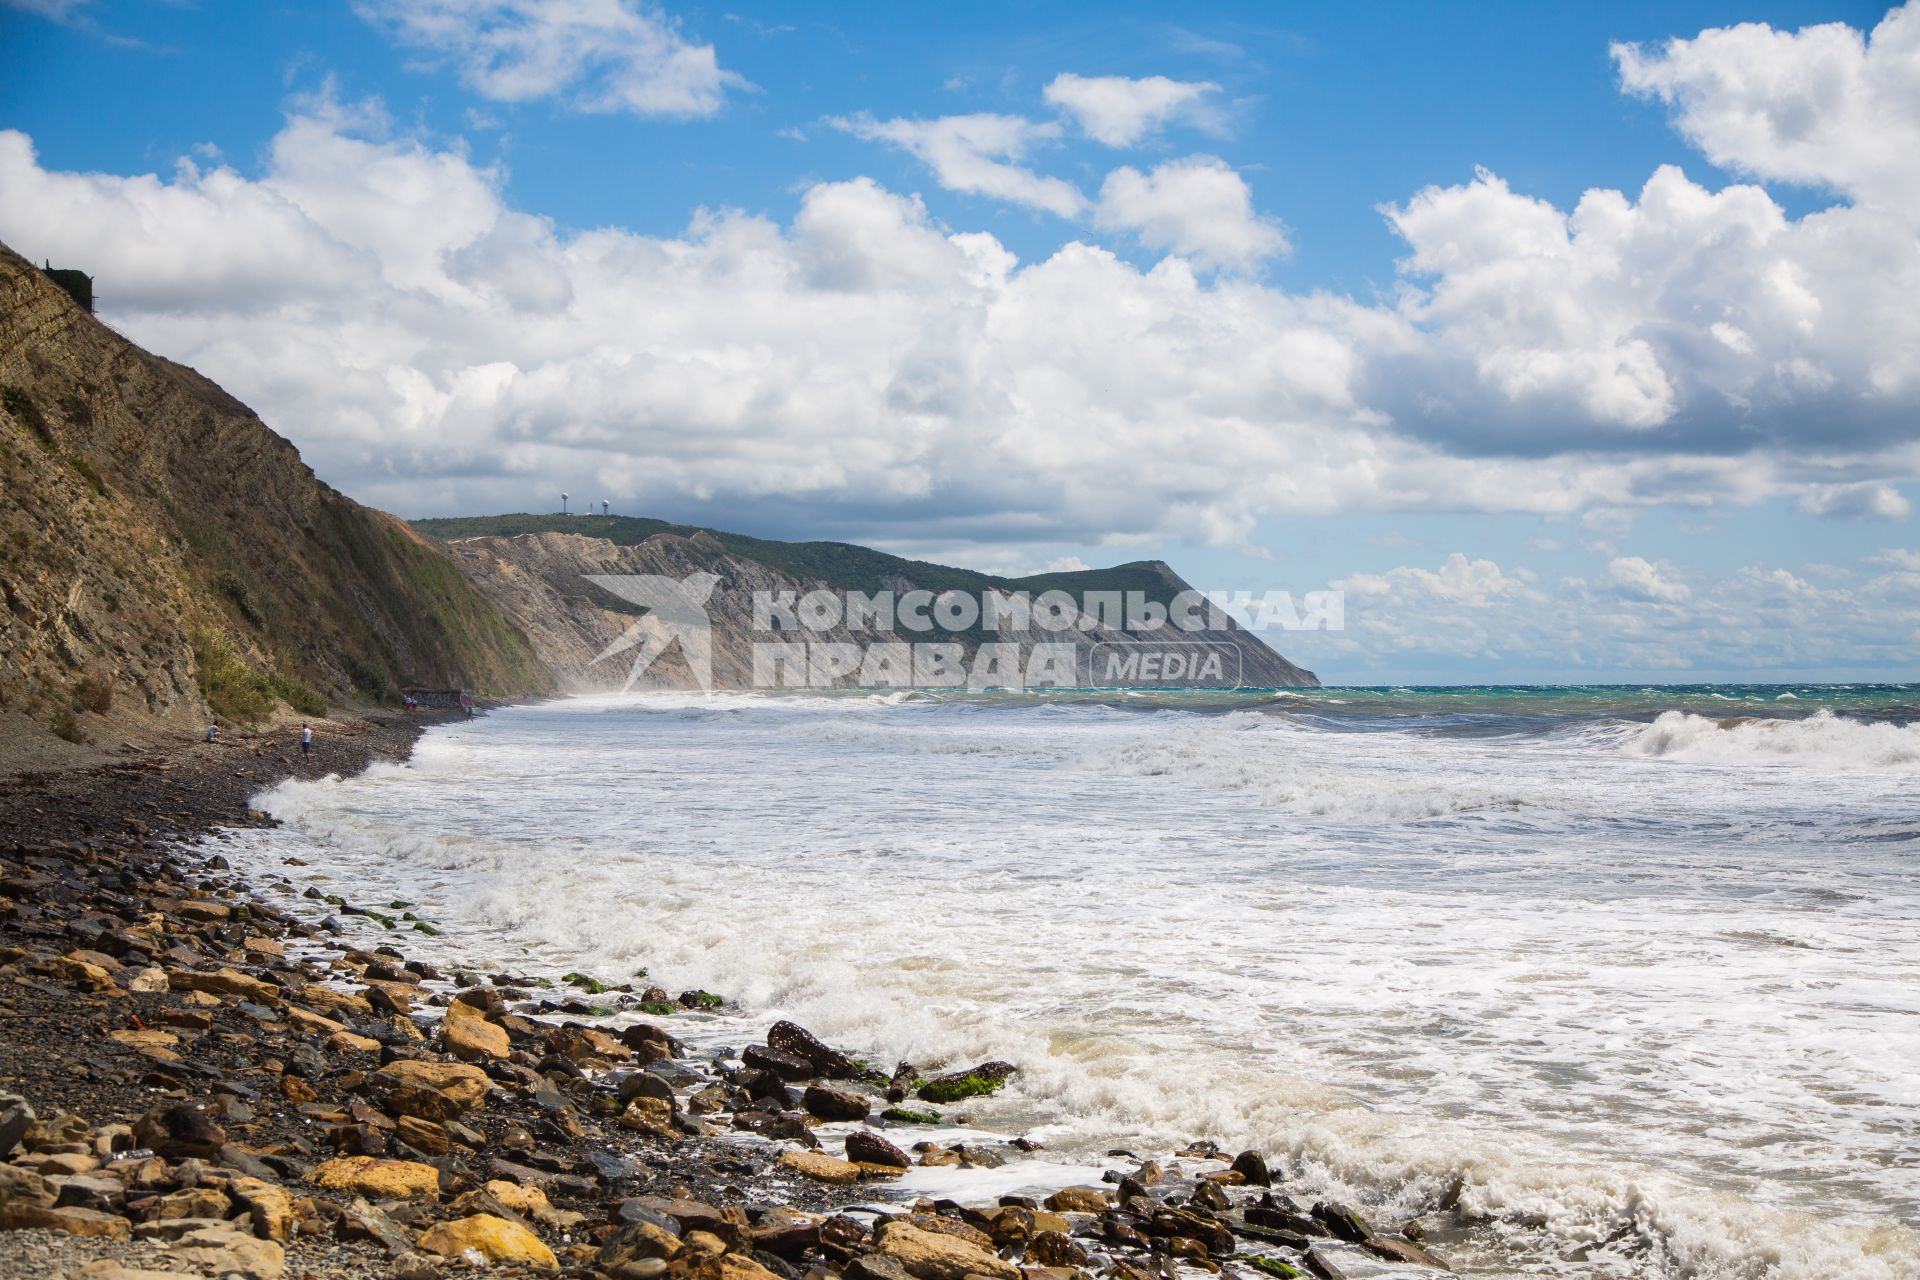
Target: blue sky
x=927, y=219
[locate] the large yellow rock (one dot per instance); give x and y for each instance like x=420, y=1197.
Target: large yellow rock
x=929, y=1255
x=465, y=1085
x=811, y=1164
x=494, y=1238
x=469, y=1037
x=378, y=1179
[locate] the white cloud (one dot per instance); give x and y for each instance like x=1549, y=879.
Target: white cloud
x=1825, y=106
x=1198, y=207
x=594, y=55
x=1119, y=111
x=1543, y=330
x=1866, y=500
x=1898, y=558
x=1475, y=584
x=1639, y=579
x=979, y=155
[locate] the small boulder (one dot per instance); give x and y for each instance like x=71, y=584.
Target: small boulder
x=931, y=1255
x=821, y=1168
x=465, y=1085
x=1252, y=1167
x=795, y=1040
x=835, y=1104
x=493, y=1238
x=1078, y=1200
x=867, y=1147
x=468, y=1035
x=974, y=1082
x=178, y=1130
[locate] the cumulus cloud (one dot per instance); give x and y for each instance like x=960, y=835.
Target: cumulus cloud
x=1682, y=319
x=1640, y=579
x=1119, y=111
x=594, y=55
x=1474, y=583
x=1866, y=500
x=1825, y=106
x=1197, y=207
x=978, y=154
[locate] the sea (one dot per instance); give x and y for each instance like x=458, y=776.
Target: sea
x=1632, y=973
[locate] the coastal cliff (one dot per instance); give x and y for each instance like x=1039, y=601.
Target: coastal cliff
x=534, y=570
x=164, y=556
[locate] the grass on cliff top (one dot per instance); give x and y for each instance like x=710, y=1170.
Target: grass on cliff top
x=839, y=564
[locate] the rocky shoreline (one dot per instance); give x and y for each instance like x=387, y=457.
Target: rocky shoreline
x=198, y=1076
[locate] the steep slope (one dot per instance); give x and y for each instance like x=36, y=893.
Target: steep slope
x=534, y=569
x=163, y=553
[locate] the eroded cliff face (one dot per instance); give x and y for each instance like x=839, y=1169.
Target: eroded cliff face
x=540, y=580
x=161, y=548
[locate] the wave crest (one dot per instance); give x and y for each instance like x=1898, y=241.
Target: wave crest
x=1821, y=740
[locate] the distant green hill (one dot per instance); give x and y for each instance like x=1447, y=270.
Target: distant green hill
x=839, y=564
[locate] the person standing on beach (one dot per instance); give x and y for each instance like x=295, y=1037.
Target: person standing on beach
x=306, y=741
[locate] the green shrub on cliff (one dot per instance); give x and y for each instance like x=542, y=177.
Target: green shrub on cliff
x=231, y=688
x=93, y=692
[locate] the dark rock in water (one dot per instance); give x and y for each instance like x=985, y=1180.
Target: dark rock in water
x=1212, y=1196
x=1394, y=1249
x=901, y=1084
x=1252, y=1166
x=766, y=1086
x=1342, y=1221
x=835, y=1104
x=978, y=1081
x=649, y=1043
x=794, y=1039
x=790, y=1128
x=178, y=1130
x=980, y=1157
x=865, y=1146
x=787, y=1066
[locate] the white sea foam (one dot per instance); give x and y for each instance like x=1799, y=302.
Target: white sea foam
x=1610, y=995
x=1822, y=740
